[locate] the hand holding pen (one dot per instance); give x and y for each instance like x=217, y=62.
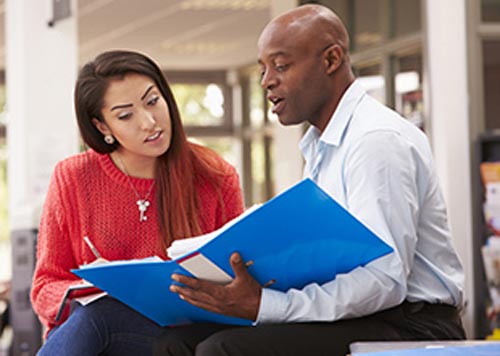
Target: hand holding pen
x=99, y=258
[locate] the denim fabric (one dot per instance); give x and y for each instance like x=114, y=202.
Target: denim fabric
x=104, y=327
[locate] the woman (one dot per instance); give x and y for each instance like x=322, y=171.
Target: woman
x=140, y=186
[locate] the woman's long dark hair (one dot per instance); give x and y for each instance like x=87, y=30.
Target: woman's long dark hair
x=175, y=170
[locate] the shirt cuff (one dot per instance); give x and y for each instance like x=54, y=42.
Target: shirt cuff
x=272, y=306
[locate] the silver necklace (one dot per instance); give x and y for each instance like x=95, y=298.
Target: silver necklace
x=142, y=203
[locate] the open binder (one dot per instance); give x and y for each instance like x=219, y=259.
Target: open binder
x=301, y=236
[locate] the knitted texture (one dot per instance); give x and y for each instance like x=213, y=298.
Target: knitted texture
x=89, y=196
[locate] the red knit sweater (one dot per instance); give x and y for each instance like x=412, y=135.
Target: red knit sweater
x=89, y=196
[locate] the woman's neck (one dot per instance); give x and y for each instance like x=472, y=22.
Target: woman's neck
x=138, y=167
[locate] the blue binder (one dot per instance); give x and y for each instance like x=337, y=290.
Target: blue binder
x=299, y=237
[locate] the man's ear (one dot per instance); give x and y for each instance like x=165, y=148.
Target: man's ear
x=101, y=126
x=334, y=57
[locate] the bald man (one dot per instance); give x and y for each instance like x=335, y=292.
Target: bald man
x=379, y=167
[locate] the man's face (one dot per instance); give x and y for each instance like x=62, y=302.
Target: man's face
x=293, y=74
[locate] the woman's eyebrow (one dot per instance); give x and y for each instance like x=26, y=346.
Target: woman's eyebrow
x=147, y=91
x=121, y=106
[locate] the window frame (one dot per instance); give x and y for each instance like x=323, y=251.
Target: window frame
x=227, y=127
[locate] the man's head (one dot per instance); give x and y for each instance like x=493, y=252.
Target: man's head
x=305, y=65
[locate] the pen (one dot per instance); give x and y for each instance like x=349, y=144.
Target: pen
x=92, y=247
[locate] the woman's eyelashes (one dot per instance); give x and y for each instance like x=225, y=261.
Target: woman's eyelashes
x=154, y=99
x=150, y=102
x=124, y=115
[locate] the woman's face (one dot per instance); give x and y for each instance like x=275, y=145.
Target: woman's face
x=138, y=117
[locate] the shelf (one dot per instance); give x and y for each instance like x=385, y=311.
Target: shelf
x=487, y=150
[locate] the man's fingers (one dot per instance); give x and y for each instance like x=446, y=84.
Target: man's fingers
x=239, y=268
x=202, y=304
x=196, y=297
x=239, y=298
x=190, y=293
x=194, y=288
x=192, y=283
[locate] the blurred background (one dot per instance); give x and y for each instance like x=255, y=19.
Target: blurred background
x=435, y=62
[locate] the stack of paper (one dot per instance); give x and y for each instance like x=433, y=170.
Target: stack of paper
x=183, y=247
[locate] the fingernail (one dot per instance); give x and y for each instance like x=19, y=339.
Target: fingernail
x=174, y=277
x=237, y=258
x=269, y=283
x=249, y=263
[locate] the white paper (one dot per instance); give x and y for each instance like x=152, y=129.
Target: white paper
x=183, y=247
x=87, y=299
x=203, y=268
x=122, y=262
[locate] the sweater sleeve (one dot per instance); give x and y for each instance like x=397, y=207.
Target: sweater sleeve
x=55, y=257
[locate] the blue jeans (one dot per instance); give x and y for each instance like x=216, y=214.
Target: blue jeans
x=104, y=327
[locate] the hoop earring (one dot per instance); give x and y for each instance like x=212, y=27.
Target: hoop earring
x=109, y=139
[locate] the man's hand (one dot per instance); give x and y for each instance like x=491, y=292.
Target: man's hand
x=240, y=298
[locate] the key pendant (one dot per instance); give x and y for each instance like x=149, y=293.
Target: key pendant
x=142, y=205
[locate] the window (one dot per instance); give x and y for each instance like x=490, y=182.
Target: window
x=204, y=100
x=368, y=23
x=261, y=148
x=407, y=17
x=491, y=74
x=386, y=46
x=200, y=104
x=408, y=88
x=372, y=80
x=490, y=10
x=205, y=103
x=226, y=146
x=256, y=139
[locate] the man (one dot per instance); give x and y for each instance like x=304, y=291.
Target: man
x=380, y=168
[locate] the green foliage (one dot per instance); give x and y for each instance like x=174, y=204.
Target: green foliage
x=199, y=104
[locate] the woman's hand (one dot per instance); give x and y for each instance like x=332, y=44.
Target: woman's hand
x=98, y=261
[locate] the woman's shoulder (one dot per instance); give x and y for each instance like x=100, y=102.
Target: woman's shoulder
x=86, y=161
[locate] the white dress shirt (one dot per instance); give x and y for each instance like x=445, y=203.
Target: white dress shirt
x=380, y=168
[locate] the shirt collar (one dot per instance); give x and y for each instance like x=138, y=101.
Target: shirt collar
x=334, y=130
x=338, y=123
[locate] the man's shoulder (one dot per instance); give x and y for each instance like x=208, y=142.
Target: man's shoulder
x=371, y=116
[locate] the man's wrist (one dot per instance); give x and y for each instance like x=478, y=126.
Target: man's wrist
x=272, y=306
